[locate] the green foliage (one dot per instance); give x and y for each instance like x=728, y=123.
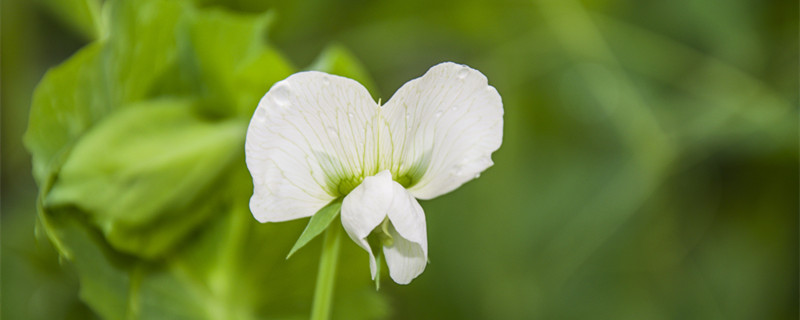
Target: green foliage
x=67, y=101
x=139, y=171
x=138, y=150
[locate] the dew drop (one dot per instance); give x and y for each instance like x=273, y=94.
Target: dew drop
x=463, y=73
x=326, y=82
x=261, y=115
x=477, y=175
x=408, y=116
x=332, y=130
x=350, y=114
x=437, y=114
x=280, y=94
x=458, y=170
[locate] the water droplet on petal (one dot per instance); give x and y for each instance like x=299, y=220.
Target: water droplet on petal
x=458, y=170
x=350, y=114
x=332, y=130
x=280, y=94
x=477, y=175
x=408, y=116
x=463, y=73
x=261, y=115
x=326, y=82
x=437, y=114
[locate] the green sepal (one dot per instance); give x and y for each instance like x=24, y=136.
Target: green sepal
x=378, y=264
x=318, y=223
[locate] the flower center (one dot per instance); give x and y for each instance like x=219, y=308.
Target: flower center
x=343, y=186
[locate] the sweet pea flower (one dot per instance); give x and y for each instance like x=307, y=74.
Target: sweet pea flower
x=316, y=138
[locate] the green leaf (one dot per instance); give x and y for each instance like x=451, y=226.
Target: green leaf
x=100, y=78
x=81, y=15
x=64, y=106
x=318, y=223
x=227, y=56
x=336, y=59
x=140, y=170
x=140, y=48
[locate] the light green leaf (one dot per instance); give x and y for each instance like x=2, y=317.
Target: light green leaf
x=64, y=106
x=318, y=223
x=137, y=173
x=100, y=78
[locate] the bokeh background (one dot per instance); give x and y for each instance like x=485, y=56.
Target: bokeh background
x=649, y=168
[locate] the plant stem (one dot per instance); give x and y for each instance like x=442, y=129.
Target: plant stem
x=323, y=293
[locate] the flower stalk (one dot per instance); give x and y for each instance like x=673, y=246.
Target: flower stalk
x=326, y=275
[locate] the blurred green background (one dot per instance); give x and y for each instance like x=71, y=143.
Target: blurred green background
x=649, y=168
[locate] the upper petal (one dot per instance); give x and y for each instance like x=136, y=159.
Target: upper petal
x=443, y=129
x=309, y=133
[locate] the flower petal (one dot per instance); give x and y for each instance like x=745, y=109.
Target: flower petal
x=408, y=218
x=408, y=254
x=443, y=127
x=406, y=259
x=366, y=207
x=309, y=133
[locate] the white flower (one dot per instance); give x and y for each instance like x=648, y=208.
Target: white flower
x=316, y=137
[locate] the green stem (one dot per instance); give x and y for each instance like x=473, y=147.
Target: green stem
x=323, y=294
